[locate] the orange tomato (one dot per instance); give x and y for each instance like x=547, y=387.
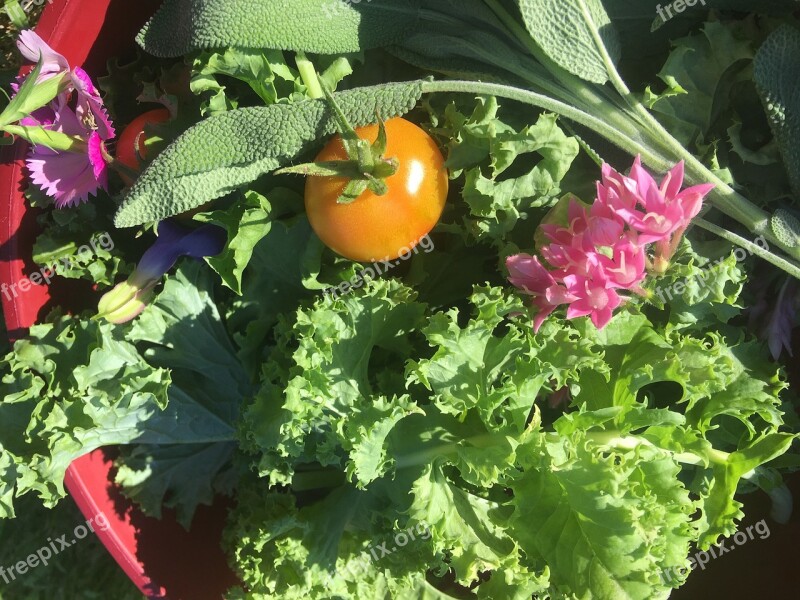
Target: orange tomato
x=372, y=227
x=132, y=139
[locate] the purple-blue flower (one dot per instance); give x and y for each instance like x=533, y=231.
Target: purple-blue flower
x=128, y=299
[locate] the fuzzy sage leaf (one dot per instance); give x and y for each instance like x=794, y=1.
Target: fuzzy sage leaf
x=786, y=227
x=320, y=26
x=575, y=34
x=225, y=151
x=775, y=73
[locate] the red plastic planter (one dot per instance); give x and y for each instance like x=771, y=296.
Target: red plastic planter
x=160, y=557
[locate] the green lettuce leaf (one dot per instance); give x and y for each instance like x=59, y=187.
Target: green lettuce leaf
x=662, y=426
x=76, y=384
x=495, y=366
x=182, y=331
x=247, y=222
x=700, y=74
x=343, y=346
x=490, y=152
x=605, y=526
x=264, y=71
x=331, y=548
x=73, y=386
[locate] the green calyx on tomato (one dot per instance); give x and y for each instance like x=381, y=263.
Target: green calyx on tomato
x=366, y=168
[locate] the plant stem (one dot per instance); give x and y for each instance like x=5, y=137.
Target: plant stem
x=570, y=112
x=612, y=439
x=16, y=14
x=574, y=88
x=723, y=196
x=791, y=268
x=426, y=455
x=55, y=140
x=309, y=75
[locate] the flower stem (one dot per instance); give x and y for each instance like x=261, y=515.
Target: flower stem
x=16, y=14
x=55, y=140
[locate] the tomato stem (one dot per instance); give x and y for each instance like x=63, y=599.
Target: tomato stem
x=366, y=167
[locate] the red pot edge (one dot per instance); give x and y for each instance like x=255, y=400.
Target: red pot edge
x=70, y=28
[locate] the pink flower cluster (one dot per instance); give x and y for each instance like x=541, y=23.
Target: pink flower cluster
x=67, y=176
x=603, y=249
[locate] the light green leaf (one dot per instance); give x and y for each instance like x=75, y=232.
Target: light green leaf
x=326, y=548
x=744, y=386
x=31, y=95
x=606, y=526
x=344, y=349
x=485, y=148
x=225, y=151
x=74, y=385
x=320, y=26
x=246, y=222
x=366, y=432
x=16, y=14
x=721, y=510
x=263, y=70
x=495, y=365
x=699, y=74
x=463, y=524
